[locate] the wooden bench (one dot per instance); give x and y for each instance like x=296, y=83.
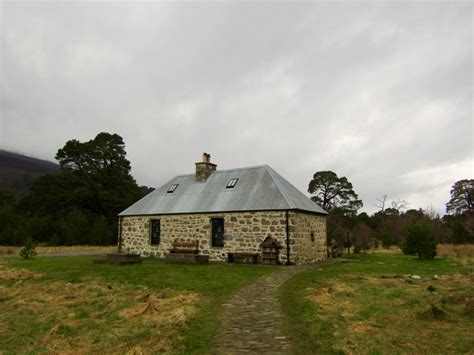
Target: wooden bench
x=185, y=247
x=243, y=257
x=187, y=252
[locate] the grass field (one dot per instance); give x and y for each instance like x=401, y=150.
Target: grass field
x=45, y=250
x=371, y=304
x=70, y=305
x=363, y=304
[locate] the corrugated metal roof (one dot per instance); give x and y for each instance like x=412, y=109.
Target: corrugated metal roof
x=259, y=188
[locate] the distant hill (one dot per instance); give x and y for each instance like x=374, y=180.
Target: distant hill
x=17, y=171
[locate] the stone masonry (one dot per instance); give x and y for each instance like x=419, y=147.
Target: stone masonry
x=243, y=232
x=308, y=240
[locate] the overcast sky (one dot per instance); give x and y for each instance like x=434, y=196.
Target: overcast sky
x=381, y=93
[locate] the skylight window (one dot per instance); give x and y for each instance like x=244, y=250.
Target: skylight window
x=231, y=183
x=172, y=188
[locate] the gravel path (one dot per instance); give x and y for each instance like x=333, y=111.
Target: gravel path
x=251, y=319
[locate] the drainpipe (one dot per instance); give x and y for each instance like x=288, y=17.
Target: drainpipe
x=287, y=239
x=120, y=235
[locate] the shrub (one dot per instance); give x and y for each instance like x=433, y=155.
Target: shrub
x=460, y=232
x=100, y=232
x=12, y=227
x=54, y=240
x=84, y=228
x=363, y=237
x=387, y=239
x=40, y=228
x=28, y=250
x=356, y=249
x=74, y=228
x=420, y=240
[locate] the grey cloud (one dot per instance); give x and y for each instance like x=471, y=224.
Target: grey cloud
x=380, y=93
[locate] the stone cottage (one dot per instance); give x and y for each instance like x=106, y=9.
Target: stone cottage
x=228, y=211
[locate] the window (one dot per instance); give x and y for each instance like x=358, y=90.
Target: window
x=217, y=225
x=312, y=236
x=172, y=188
x=231, y=183
x=155, y=232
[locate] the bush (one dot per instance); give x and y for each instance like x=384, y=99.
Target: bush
x=460, y=232
x=83, y=228
x=100, y=232
x=40, y=228
x=12, y=227
x=362, y=238
x=28, y=250
x=54, y=240
x=420, y=240
x=74, y=228
x=387, y=239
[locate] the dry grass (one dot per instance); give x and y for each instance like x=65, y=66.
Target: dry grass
x=456, y=251
x=368, y=311
x=452, y=251
x=45, y=250
x=80, y=318
x=17, y=275
x=391, y=250
x=462, y=253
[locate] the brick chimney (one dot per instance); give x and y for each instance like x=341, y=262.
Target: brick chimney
x=204, y=168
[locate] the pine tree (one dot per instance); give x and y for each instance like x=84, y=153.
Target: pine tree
x=420, y=240
x=28, y=250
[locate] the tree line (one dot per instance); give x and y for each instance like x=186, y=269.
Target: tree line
x=393, y=222
x=79, y=205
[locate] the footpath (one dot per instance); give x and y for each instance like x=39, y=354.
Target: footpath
x=251, y=320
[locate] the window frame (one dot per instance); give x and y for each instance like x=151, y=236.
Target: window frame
x=231, y=183
x=152, y=223
x=213, y=238
x=172, y=188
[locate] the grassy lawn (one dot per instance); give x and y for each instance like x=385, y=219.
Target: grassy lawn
x=369, y=304
x=43, y=249
x=69, y=304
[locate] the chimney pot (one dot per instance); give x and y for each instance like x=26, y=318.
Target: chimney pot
x=204, y=168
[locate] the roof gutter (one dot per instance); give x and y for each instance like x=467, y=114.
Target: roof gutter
x=287, y=239
x=218, y=212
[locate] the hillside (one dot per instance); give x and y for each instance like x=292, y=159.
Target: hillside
x=17, y=171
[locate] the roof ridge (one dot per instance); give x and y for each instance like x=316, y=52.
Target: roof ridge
x=276, y=180
x=227, y=170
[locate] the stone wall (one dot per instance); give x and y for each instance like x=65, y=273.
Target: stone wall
x=243, y=232
x=307, y=238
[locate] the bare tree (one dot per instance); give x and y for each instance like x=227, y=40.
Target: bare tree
x=431, y=212
x=381, y=203
x=399, y=205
